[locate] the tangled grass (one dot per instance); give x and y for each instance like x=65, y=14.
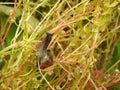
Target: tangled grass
x=86, y=34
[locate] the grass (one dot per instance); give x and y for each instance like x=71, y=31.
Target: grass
x=85, y=46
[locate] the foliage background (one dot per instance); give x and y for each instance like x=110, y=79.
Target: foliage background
x=85, y=46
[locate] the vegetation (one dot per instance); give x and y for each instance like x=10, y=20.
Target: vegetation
x=85, y=45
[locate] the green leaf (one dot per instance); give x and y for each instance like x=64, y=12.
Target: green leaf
x=116, y=56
